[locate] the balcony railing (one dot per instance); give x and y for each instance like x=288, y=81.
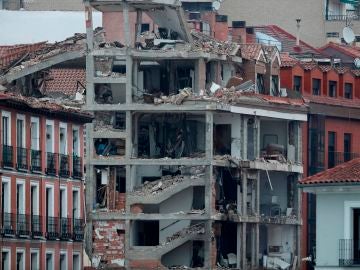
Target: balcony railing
x=77, y=167
x=340, y=17
x=8, y=224
x=7, y=156
x=64, y=165
x=336, y=158
x=51, y=161
x=36, y=226
x=65, y=228
x=21, y=158
x=23, y=225
x=35, y=160
x=349, y=252
x=78, y=229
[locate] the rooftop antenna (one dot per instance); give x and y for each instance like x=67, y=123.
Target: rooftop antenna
x=348, y=35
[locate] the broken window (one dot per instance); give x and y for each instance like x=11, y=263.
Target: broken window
x=109, y=121
x=109, y=147
x=109, y=67
x=226, y=243
x=113, y=93
x=226, y=186
x=145, y=233
x=222, y=140
x=275, y=85
x=171, y=135
x=260, y=83
x=251, y=139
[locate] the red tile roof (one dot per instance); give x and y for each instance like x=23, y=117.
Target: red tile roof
x=288, y=41
x=287, y=60
x=8, y=54
x=250, y=51
x=309, y=65
x=352, y=51
x=339, y=101
x=65, y=80
x=42, y=105
x=348, y=172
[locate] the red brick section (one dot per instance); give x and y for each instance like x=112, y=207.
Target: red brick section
x=348, y=172
x=146, y=265
x=108, y=240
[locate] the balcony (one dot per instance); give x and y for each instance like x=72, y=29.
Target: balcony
x=36, y=226
x=52, y=228
x=35, y=160
x=23, y=225
x=8, y=156
x=343, y=18
x=349, y=253
x=8, y=224
x=77, y=167
x=336, y=158
x=65, y=228
x=78, y=229
x=64, y=165
x=21, y=159
x=51, y=161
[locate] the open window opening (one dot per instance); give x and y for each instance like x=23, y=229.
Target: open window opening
x=145, y=233
x=109, y=147
x=226, y=186
x=165, y=81
x=171, y=135
x=110, y=93
x=109, y=121
x=222, y=140
x=226, y=237
x=109, y=67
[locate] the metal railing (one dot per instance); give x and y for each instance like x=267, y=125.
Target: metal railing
x=52, y=228
x=336, y=158
x=7, y=156
x=64, y=169
x=349, y=252
x=340, y=17
x=35, y=160
x=78, y=229
x=51, y=161
x=23, y=225
x=8, y=223
x=77, y=167
x=65, y=228
x=21, y=158
x=36, y=226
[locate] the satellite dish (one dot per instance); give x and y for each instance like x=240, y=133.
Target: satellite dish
x=216, y=5
x=357, y=62
x=348, y=35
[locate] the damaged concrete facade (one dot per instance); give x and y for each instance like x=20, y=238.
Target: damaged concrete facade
x=183, y=172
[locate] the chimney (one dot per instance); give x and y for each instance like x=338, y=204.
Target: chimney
x=239, y=31
x=221, y=30
x=298, y=32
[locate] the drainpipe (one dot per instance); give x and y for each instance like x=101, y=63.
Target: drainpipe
x=298, y=32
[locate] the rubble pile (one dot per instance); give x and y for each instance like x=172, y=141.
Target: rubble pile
x=204, y=43
x=162, y=184
x=174, y=99
x=195, y=229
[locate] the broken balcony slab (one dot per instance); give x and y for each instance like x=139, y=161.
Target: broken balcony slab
x=118, y=160
x=161, y=190
x=121, y=215
x=110, y=134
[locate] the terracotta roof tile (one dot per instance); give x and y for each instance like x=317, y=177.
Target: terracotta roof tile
x=325, y=68
x=348, y=172
x=287, y=60
x=339, y=101
x=356, y=72
x=309, y=65
x=250, y=51
x=65, y=80
x=352, y=51
x=288, y=41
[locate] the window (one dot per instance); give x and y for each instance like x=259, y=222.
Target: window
x=63, y=202
x=49, y=261
x=275, y=85
x=20, y=260
x=316, y=84
x=332, y=88
x=297, y=83
x=20, y=197
x=5, y=259
x=5, y=195
x=76, y=204
x=348, y=91
x=6, y=127
x=331, y=149
x=63, y=139
x=76, y=142
x=347, y=147
x=34, y=193
x=145, y=27
x=260, y=83
x=120, y=180
x=49, y=136
x=20, y=131
x=34, y=131
x=76, y=261
x=34, y=260
x=63, y=261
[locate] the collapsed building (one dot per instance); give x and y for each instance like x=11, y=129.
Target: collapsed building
x=194, y=153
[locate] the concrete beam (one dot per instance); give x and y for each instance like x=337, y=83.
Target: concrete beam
x=108, y=79
x=150, y=108
x=118, y=215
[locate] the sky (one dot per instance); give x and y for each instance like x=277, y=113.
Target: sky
x=18, y=27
